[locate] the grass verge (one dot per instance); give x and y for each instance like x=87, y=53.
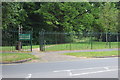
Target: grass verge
x=67, y=46
x=12, y=48
x=12, y=57
x=93, y=54
x=82, y=46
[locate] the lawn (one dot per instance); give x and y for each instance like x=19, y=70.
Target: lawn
x=10, y=57
x=81, y=46
x=93, y=54
x=68, y=46
x=12, y=48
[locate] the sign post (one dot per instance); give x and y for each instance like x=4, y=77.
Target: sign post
x=42, y=44
x=19, y=44
x=24, y=37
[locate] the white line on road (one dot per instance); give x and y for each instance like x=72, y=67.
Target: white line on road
x=61, y=70
x=29, y=76
x=106, y=68
x=83, y=69
x=94, y=72
x=98, y=71
x=69, y=71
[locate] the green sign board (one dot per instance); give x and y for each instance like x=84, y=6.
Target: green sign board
x=24, y=37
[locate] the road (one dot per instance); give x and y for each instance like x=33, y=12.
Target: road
x=84, y=68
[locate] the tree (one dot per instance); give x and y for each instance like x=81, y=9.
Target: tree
x=66, y=16
x=13, y=15
x=108, y=17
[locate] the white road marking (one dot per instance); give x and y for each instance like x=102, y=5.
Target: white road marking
x=94, y=72
x=69, y=71
x=106, y=68
x=83, y=69
x=98, y=71
x=0, y=77
x=29, y=76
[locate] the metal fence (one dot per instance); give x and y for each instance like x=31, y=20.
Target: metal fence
x=57, y=41
x=11, y=42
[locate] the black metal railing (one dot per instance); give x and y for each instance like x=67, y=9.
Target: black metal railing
x=57, y=41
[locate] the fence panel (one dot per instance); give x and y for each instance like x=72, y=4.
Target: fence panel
x=57, y=41
x=11, y=42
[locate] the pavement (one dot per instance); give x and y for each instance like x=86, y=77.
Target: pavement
x=57, y=56
x=71, y=51
x=83, y=68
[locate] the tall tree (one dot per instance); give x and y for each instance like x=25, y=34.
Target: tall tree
x=13, y=15
x=67, y=16
x=108, y=17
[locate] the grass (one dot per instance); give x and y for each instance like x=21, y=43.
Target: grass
x=67, y=46
x=93, y=54
x=81, y=46
x=12, y=48
x=10, y=57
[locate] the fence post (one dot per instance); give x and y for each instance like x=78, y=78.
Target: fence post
x=117, y=37
x=31, y=40
x=42, y=48
x=106, y=35
x=71, y=41
x=91, y=40
x=56, y=34
x=39, y=39
x=109, y=40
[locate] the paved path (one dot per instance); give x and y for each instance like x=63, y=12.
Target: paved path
x=57, y=56
x=91, y=50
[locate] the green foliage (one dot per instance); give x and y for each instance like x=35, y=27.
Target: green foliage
x=108, y=17
x=61, y=17
x=13, y=15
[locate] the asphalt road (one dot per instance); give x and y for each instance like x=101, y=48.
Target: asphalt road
x=84, y=68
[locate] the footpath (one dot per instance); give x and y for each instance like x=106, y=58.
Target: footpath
x=57, y=55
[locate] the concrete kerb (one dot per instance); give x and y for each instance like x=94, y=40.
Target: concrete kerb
x=105, y=56
x=20, y=61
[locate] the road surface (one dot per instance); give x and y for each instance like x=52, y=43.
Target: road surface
x=84, y=68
